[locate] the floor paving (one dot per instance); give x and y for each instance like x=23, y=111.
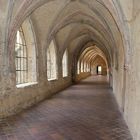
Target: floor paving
x=85, y=111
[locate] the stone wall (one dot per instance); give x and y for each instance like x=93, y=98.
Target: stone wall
x=132, y=95
x=22, y=98
x=82, y=75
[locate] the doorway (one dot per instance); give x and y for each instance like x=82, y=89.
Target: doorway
x=99, y=70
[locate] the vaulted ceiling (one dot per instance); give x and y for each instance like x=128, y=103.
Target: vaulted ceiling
x=74, y=24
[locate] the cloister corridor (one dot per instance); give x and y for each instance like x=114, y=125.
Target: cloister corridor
x=84, y=111
x=69, y=70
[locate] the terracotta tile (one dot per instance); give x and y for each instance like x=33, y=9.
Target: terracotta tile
x=86, y=111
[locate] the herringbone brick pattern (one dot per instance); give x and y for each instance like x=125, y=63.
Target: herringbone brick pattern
x=86, y=111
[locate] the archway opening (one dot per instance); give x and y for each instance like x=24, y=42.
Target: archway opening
x=91, y=61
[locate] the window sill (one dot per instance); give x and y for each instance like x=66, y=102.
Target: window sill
x=53, y=79
x=26, y=85
x=65, y=76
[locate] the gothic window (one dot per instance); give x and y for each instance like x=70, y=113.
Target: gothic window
x=65, y=64
x=51, y=62
x=78, y=67
x=88, y=68
x=85, y=67
x=25, y=55
x=82, y=66
x=21, y=58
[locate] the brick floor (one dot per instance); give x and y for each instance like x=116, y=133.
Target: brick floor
x=86, y=111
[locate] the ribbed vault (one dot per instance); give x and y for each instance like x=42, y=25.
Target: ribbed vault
x=90, y=58
x=74, y=23
x=90, y=54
